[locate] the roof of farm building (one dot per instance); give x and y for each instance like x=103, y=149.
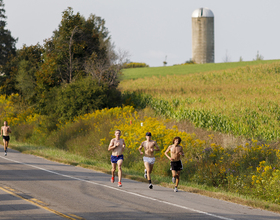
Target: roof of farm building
x=202, y=12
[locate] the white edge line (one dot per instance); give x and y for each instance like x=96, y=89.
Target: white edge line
x=132, y=193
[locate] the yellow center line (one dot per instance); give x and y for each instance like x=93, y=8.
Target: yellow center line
x=39, y=205
x=8, y=188
x=38, y=201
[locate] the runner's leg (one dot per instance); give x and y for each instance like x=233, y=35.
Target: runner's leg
x=177, y=178
x=149, y=168
x=113, y=169
x=120, y=169
x=5, y=145
x=173, y=175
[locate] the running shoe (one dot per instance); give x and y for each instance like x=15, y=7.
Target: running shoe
x=113, y=179
x=150, y=186
x=145, y=174
x=175, y=189
x=119, y=184
x=173, y=179
x=5, y=153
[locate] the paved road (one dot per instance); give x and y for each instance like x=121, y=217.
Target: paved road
x=35, y=188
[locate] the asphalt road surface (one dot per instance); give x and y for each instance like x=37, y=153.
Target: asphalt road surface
x=35, y=188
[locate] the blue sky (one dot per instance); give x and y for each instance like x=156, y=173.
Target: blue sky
x=152, y=30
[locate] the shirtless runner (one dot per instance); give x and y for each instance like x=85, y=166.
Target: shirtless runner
x=149, y=158
x=175, y=157
x=117, y=147
x=5, y=130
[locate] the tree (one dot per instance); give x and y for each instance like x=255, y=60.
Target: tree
x=21, y=72
x=190, y=61
x=7, y=53
x=165, y=62
x=80, y=68
x=258, y=56
x=8, y=76
x=107, y=70
x=75, y=41
x=75, y=72
x=29, y=63
x=7, y=42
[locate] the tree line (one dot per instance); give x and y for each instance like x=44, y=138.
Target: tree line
x=74, y=72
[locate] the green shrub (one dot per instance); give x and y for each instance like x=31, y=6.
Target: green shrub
x=134, y=65
x=80, y=97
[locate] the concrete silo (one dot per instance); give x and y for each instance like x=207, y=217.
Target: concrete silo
x=203, y=36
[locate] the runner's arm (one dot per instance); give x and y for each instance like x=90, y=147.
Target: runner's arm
x=181, y=152
x=111, y=145
x=123, y=145
x=165, y=153
x=157, y=147
x=140, y=148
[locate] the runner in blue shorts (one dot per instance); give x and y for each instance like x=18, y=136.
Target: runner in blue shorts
x=117, y=147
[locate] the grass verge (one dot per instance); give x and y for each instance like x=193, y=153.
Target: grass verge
x=65, y=157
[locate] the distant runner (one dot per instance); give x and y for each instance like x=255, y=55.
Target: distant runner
x=176, y=164
x=149, y=158
x=117, y=147
x=5, y=130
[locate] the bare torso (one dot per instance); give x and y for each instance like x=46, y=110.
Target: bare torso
x=149, y=147
x=120, y=146
x=5, y=130
x=175, y=152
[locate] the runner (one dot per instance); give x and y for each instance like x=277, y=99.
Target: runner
x=5, y=130
x=149, y=158
x=117, y=146
x=176, y=164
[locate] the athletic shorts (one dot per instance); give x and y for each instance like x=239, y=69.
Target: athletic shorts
x=150, y=160
x=6, y=138
x=114, y=159
x=176, y=165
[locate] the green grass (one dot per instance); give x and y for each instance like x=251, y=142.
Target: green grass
x=135, y=73
x=65, y=157
x=58, y=155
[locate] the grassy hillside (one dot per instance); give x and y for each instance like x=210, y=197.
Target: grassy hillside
x=136, y=73
x=242, y=101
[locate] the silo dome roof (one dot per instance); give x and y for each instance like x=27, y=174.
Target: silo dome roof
x=202, y=12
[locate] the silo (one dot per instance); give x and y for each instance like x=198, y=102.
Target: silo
x=203, y=36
